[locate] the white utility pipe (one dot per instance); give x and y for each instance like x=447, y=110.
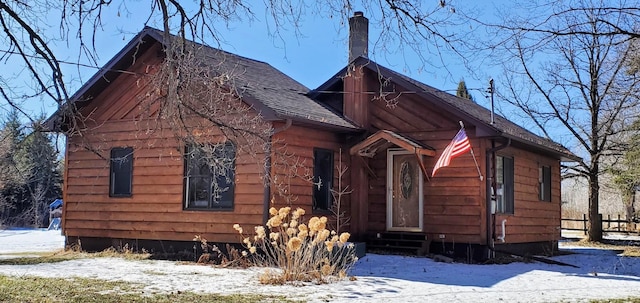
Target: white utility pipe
x=501, y=238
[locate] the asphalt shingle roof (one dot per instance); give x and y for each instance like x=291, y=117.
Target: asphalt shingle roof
x=264, y=83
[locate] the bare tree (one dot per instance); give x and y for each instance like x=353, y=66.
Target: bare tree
x=339, y=194
x=567, y=72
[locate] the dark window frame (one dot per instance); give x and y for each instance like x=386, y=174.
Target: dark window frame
x=544, y=183
x=202, y=175
x=121, y=172
x=322, y=198
x=505, y=180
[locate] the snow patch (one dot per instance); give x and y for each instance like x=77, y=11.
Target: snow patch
x=601, y=274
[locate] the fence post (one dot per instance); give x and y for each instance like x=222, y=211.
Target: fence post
x=584, y=223
x=608, y=221
x=600, y=217
x=618, y=222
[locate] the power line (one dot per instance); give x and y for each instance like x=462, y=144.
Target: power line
x=69, y=63
x=301, y=92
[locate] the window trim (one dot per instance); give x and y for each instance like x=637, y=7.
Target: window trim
x=315, y=206
x=128, y=154
x=508, y=182
x=544, y=178
x=210, y=203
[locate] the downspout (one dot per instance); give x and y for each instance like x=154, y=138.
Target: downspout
x=267, y=169
x=490, y=194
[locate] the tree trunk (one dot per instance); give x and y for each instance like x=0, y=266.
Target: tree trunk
x=594, y=232
x=627, y=199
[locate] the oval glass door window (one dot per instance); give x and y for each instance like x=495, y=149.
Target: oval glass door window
x=406, y=177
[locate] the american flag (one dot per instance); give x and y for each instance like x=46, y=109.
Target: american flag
x=458, y=146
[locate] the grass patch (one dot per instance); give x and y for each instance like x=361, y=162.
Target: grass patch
x=32, y=260
x=631, y=251
x=113, y=253
x=49, y=290
x=625, y=250
x=60, y=256
x=37, y=258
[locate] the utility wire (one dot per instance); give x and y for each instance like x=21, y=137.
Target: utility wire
x=70, y=63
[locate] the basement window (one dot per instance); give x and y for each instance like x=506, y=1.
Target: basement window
x=209, y=176
x=544, y=180
x=504, y=185
x=322, y=178
x=121, y=172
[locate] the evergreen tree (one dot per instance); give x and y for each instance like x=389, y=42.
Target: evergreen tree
x=37, y=161
x=627, y=176
x=30, y=175
x=11, y=181
x=463, y=92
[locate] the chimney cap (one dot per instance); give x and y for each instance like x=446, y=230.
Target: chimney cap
x=358, y=14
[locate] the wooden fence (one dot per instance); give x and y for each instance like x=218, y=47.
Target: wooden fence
x=608, y=224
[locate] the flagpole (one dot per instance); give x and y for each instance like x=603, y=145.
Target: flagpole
x=473, y=155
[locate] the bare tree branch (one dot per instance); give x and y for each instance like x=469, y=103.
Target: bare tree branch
x=575, y=57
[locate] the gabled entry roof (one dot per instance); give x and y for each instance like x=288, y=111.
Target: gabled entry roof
x=382, y=139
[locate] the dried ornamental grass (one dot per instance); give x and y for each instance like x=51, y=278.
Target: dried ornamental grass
x=302, y=252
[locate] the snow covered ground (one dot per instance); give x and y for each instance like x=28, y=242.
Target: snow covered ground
x=601, y=274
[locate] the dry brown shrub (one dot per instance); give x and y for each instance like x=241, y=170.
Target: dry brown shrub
x=296, y=251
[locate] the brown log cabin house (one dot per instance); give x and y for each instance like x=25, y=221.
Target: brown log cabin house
x=390, y=128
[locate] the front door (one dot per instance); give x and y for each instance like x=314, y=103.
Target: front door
x=404, y=191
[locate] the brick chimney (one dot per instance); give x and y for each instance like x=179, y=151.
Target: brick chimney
x=356, y=100
x=358, y=36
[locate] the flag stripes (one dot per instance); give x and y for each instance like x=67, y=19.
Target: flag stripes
x=458, y=146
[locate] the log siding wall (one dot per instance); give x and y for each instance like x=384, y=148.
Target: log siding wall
x=533, y=220
x=293, y=147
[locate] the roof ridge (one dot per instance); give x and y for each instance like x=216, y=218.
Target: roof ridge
x=159, y=31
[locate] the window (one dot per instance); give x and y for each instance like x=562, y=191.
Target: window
x=209, y=176
x=121, y=172
x=322, y=178
x=504, y=186
x=544, y=179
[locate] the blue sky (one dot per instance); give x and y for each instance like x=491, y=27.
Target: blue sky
x=311, y=55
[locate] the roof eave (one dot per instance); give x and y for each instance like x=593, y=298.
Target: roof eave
x=116, y=60
x=326, y=125
x=101, y=75
x=565, y=156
